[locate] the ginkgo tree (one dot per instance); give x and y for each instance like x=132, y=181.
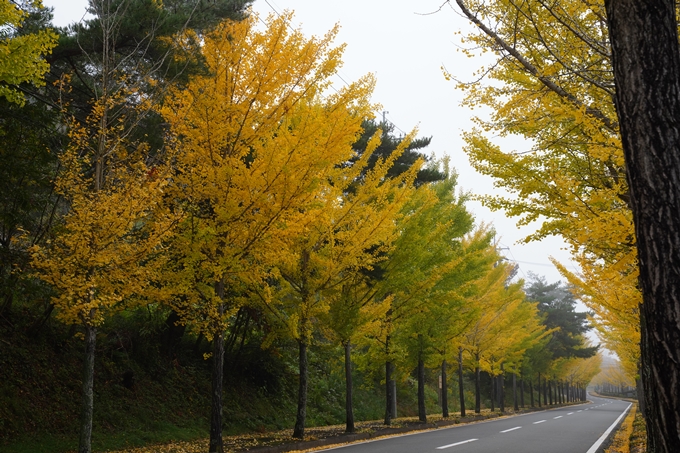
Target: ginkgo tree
x=426, y=267
x=450, y=307
x=356, y=306
x=552, y=84
x=506, y=327
x=348, y=228
x=108, y=246
x=452, y=255
x=353, y=311
x=257, y=142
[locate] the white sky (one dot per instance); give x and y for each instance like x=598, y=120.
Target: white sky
x=406, y=50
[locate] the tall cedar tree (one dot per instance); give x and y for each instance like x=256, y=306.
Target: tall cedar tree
x=647, y=74
x=556, y=304
x=156, y=45
x=388, y=143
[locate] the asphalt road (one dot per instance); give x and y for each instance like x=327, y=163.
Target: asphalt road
x=574, y=429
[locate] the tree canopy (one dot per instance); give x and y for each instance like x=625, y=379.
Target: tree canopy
x=552, y=85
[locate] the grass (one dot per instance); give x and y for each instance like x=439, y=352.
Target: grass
x=169, y=400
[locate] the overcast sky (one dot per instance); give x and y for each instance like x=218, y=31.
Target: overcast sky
x=405, y=44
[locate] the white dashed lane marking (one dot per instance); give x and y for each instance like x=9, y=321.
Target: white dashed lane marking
x=512, y=429
x=456, y=444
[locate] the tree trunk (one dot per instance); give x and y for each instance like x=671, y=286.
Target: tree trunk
x=493, y=393
x=388, y=385
x=501, y=391
x=388, y=393
x=550, y=393
x=299, y=431
x=87, y=406
x=445, y=396
x=531, y=393
x=514, y=393
x=539, y=389
x=640, y=396
x=521, y=393
x=478, y=390
x=646, y=64
x=422, y=414
x=349, y=408
x=461, y=391
x=8, y=298
x=216, y=443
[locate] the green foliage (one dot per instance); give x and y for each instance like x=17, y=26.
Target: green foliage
x=28, y=138
x=155, y=44
x=430, y=172
x=557, y=304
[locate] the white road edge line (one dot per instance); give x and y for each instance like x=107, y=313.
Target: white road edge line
x=456, y=444
x=597, y=444
x=540, y=421
x=511, y=429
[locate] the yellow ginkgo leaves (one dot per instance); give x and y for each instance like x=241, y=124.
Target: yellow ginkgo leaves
x=21, y=55
x=553, y=85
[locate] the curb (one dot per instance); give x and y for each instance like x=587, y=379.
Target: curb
x=381, y=432
x=348, y=438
